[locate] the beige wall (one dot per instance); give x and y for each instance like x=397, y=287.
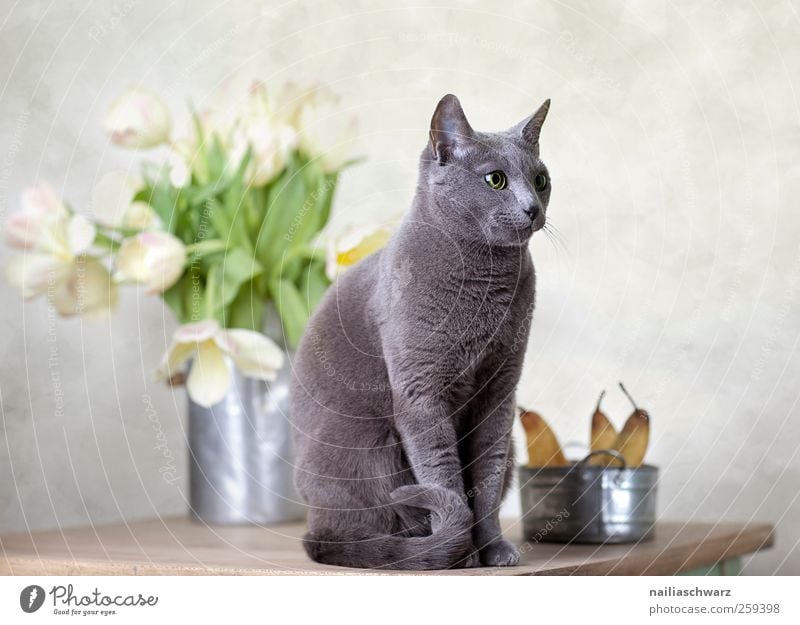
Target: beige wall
x=673, y=144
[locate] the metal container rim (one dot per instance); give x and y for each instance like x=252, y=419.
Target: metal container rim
x=534, y=472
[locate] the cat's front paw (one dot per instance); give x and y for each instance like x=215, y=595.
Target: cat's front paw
x=500, y=553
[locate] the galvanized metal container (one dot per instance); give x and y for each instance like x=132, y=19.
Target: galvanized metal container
x=583, y=503
x=241, y=454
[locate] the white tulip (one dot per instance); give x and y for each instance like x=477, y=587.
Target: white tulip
x=40, y=204
x=138, y=119
x=141, y=216
x=322, y=135
x=180, y=174
x=270, y=138
x=55, y=262
x=271, y=144
x=154, y=258
x=113, y=204
x=87, y=289
x=354, y=245
x=255, y=355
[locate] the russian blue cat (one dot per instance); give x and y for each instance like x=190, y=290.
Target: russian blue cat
x=403, y=385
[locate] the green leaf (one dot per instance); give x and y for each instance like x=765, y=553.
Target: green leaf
x=184, y=297
x=326, y=199
x=286, y=199
x=238, y=268
x=291, y=310
x=313, y=284
x=225, y=279
x=305, y=222
x=164, y=201
x=255, y=208
x=234, y=202
x=247, y=310
x=205, y=247
x=198, y=196
x=216, y=159
x=213, y=309
x=173, y=297
x=219, y=219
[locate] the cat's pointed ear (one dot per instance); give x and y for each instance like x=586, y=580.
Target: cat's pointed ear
x=450, y=130
x=531, y=126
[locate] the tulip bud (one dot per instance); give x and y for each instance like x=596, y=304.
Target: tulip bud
x=113, y=203
x=154, y=258
x=138, y=119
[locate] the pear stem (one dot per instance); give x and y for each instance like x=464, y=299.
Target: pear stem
x=628, y=395
x=600, y=399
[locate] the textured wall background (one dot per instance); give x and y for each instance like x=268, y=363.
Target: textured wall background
x=673, y=142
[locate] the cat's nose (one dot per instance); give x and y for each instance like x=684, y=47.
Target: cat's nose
x=532, y=211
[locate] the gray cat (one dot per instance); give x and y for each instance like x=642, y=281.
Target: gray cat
x=403, y=389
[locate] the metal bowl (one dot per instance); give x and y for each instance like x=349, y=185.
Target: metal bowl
x=583, y=503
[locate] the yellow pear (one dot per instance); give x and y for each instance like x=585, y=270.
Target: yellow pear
x=543, y=447
x=603, y=434
x=635, y=435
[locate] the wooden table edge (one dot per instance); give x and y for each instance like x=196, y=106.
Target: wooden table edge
x=681, y=558
x=750, y=539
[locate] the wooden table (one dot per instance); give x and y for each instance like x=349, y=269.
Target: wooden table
x=178, y=546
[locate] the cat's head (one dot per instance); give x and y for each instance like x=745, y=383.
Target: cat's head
x=489, y=187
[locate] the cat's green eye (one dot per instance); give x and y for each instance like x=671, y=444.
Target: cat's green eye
x=496, y=180
x=540, y=182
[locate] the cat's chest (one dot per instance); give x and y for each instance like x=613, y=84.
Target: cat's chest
x=481, y=311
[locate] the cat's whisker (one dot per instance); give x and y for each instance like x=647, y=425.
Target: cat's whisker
x=560, y=236
x=556, y=239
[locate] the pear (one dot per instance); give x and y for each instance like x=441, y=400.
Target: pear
x=635, y=435
x=603, y=434
x=543, y=447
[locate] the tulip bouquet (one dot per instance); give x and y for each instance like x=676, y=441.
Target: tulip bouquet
x=224, y=228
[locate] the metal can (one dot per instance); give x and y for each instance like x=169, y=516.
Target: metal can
x=584, y=503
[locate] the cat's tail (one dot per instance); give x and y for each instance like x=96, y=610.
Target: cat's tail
x=449, y=544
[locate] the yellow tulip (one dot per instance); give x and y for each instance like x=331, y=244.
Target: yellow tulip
x=353, y=246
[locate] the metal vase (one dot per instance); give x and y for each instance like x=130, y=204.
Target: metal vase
x=241, y=454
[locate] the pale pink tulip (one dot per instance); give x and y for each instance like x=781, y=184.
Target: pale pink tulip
x=40, y=204
x=55, y=262
x=138, y=119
